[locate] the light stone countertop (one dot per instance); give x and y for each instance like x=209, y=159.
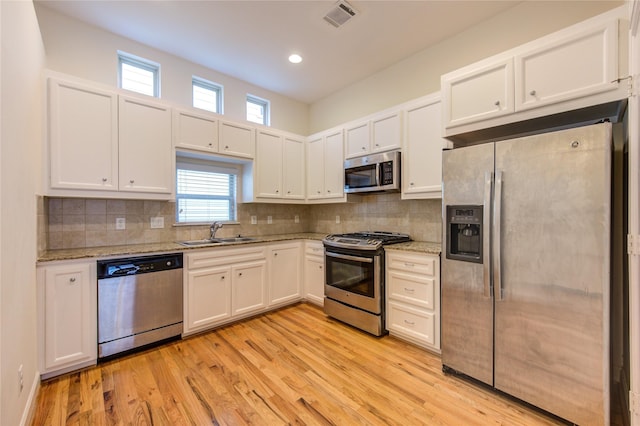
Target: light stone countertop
x=136, y=249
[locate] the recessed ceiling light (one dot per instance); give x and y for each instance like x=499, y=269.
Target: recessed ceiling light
x=295, y=58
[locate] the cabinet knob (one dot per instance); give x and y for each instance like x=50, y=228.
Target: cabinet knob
x=410, y=183
x=288, y=192
x=275, y=254
x=364, y=149
x=104, y=179
x=210, y=144
x=329, y=191
x=497, y=103
x=239, y=274
x=131, y=181
x=72, y=280
x=226, y=147
x=320, y=266
x=532, y=93
x=277, y=191
x=319, y=192
x=222, y=278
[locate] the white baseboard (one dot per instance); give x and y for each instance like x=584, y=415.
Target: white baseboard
x=30, y=406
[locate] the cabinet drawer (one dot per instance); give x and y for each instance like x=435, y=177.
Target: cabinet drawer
x=421, y=264
x=222, y=256
x=412, y=322
x=411, y=288
x=314, y=249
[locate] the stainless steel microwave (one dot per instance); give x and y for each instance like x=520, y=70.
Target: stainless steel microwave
x=373, y=173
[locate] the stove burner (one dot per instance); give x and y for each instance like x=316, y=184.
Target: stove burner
x=365, y=240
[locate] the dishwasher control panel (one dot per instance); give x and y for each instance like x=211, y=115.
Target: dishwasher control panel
x=138, y=265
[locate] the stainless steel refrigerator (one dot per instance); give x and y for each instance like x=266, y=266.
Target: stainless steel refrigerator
x=526, y=268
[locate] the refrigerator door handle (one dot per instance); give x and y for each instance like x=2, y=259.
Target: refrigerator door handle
x=486, y=237
x=497, y=219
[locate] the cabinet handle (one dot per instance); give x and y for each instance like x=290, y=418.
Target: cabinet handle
x=497, y=103
x=532, y=93
x=409, y=265
x=411, y=323
x=409, y=290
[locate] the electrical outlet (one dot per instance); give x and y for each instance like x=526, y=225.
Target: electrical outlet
x=254, y=220
x=337, y=219
x=20, y=378
x=296, y=219
x=121, y=223
x=269, y=220
x=157, y=222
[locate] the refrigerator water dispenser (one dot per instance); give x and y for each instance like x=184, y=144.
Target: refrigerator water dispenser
x=464, y=233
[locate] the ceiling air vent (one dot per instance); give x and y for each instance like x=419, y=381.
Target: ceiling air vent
x=341, y=13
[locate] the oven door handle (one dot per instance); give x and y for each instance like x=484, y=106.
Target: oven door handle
x=347, y=257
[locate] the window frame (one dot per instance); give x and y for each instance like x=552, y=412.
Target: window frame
x=143, y=64
x=208, y=85
x=265, y=104
x=202, y=163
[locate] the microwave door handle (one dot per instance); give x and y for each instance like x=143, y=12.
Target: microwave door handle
x=378, y=175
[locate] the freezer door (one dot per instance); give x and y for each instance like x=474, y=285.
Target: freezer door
x=467, y=306
x=552, y=308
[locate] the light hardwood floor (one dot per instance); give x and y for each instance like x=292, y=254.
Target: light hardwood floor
x=291, y=366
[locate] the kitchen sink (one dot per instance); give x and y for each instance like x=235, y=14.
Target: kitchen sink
x=215, y=241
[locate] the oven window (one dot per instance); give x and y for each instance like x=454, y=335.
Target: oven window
x=352, y=276
x=361, y=177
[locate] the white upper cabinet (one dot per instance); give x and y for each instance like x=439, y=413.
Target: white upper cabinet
x=193, y=130
x=237, y=139
x=574, y=68
x=357, y=138
x=422, y=149
x=145, y=154
x=279, y=167
x=378, y=133
x=83, y=137
x=484, y=92
x=580, y=64
x=325, y=167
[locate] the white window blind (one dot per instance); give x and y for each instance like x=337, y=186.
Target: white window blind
x=257, y=110
x=207, y=95
x=205, y=191
x=138, y=74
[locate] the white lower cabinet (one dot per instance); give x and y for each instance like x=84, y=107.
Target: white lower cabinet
x=67, y=316
x=223, y=284
x=285, y=273
x=413, y=297
x=314, y=272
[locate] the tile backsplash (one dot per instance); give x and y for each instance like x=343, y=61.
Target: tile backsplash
x=78, y=222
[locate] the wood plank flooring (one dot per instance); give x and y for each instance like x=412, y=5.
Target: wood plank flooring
x=291, y=366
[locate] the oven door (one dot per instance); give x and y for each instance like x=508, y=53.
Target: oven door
x=354, y=278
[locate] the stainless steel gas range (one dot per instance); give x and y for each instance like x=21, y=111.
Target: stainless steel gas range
x=354, y=278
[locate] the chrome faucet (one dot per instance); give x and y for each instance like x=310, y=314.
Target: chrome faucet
x=214, y=227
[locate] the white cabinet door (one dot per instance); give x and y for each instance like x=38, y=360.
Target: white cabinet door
x=422, y=150
x=146, y=154
x=581, y=64
x=357, y=139
x=208, y=297
x=194, y=130
x=237, y=139
x=285, y=273
x=293, y=169
x=70, y=315
x=269, y=148
x=478, y=93
x=386, y=132
x=249, y=287
x=334, y=165
x=314, y=272
x=83, y=136
x=315, y=168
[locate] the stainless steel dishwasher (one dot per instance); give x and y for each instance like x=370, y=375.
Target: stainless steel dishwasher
x=139, y=302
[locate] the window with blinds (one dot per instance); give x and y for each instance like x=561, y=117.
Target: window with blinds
x=205, y=191
x=207, y=95
x=138, y=74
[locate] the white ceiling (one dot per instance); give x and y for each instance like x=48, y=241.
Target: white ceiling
x=251, y=40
